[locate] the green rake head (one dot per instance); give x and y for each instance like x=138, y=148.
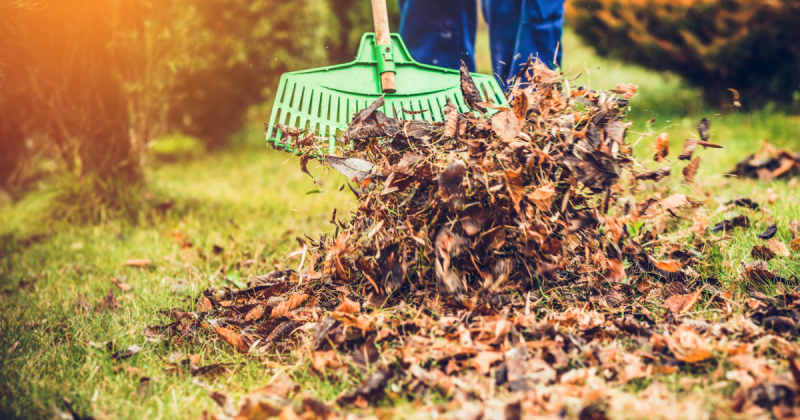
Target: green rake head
x=325, y=99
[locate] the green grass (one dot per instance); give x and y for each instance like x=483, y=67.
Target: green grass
x=252, y=203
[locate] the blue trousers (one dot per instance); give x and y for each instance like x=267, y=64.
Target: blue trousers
x=442, y=32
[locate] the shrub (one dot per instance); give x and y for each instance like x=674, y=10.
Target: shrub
x=243, y=48
x=748, y=45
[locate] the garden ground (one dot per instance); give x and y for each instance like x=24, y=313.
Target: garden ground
x=239, y=211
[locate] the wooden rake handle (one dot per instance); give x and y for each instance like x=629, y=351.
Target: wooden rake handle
x=381, y=19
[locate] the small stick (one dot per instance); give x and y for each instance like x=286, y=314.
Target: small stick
x=528, y=303
x=302, y=261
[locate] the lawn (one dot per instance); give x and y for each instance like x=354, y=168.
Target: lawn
x=225, y=216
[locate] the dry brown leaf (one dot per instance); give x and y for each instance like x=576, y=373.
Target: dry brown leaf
x=138, y=262
x=704, y=129
x=109, y=302
x=778, y=247
x=762, y=253
x=495, y=239
x=656, y=175
x=122, y=286
x=484, y=360
x=236, y=340
x=690, y=170
x=194, y=358
x=674, y=201
x=729, y=224
x=514, y=186
x=348, y=306
x=769, y=233
x=681, y=304
x=450, y=121
x=772, y=197
x=506, y=125
x=687, y=345
x=450, y=181
x=323, y=360
x=582, y=220
x=675, y=288
x=706, y=144
x=204, y=305
x=469, y=90
x=661, y=147
x=615, y=131
x=627, y=89
x=543, y=197
x=254, y=406
x=688, y=148
x=520, y=106
x=758, y=271
x=304, y=164
x=255, y=314
x=283, y=308
x=736, y=102
x=671, y=266
x=615, y=272
x=279, y=387
x=472, y=219
x=794, y=368
x=124, y=354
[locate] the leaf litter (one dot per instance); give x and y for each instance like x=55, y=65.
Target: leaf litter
x=510, y=261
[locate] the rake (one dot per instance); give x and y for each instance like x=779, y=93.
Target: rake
x=324, y=100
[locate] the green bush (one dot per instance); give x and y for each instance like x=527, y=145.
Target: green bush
x=243, y=48
x=748, y=45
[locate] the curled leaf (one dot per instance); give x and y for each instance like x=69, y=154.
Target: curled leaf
x=469, y=90
x=703, y=128
x=769, y=233
x=656, y=175
x=726, y=225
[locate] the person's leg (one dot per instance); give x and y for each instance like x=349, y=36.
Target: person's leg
x=539, y=33
x=440, y=32
x=503, y=18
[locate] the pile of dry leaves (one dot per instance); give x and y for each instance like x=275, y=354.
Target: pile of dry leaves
x=506, y=262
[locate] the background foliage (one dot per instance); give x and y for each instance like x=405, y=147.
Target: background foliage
x=347, y=21
x=245, y=47
x=89, y=83
x=748, y=45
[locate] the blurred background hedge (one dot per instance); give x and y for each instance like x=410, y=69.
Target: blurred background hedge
x=748, y=45
x=89, y=83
